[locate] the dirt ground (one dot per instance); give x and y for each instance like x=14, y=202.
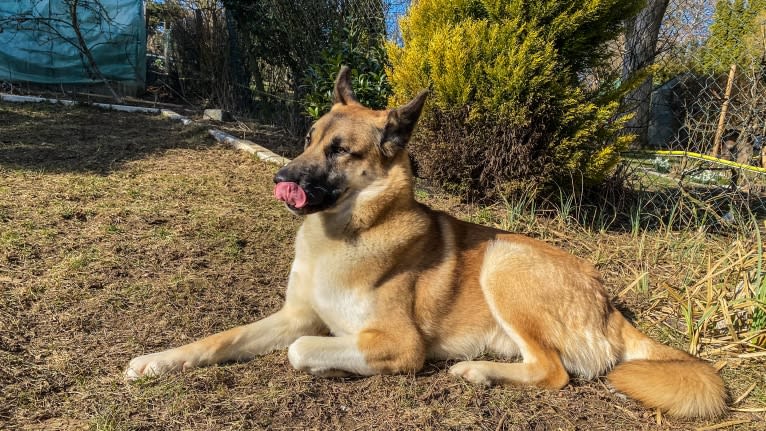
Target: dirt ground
x=123, y=234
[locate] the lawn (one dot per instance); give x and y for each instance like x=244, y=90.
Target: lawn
x=123, y=234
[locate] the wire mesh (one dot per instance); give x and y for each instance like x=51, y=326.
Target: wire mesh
x=706, y=124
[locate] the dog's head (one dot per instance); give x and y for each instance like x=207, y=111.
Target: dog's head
x=346, y=150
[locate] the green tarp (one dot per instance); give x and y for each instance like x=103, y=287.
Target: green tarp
x=40, y=48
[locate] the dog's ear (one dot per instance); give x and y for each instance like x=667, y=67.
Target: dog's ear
x=343, y=93
x=400, y=124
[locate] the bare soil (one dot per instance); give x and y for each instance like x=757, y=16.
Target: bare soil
x=123, y=234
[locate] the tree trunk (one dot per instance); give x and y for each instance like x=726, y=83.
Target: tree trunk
x=257, y=76
x=641, y=34
x=237, y=69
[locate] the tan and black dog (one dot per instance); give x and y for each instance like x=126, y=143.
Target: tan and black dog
x=381, y=283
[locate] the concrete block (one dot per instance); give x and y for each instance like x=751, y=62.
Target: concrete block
x=217, y=115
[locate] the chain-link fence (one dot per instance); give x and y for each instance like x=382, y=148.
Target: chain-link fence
x=712, y=97
x=705, y=126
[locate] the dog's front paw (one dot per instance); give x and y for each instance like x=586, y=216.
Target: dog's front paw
x=155, y=364
x=473, y=371
x=305, y=354
x=298, y=354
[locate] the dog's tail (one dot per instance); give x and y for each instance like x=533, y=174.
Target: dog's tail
x=662, y=377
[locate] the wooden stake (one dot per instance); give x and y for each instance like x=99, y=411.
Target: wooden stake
x=724, y=110
x=763, y=153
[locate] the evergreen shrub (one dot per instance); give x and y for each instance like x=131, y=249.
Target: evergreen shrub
x=507, y=107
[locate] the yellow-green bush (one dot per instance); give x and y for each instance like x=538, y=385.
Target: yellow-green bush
x=507, y=108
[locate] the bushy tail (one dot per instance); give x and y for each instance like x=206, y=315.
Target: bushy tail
x=662, y=377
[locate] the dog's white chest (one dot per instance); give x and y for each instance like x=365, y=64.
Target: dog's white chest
x=330, y=277
x=344, y=309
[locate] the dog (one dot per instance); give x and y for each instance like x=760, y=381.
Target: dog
x=381, y=283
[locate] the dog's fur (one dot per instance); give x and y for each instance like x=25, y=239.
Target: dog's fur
x=381, y=283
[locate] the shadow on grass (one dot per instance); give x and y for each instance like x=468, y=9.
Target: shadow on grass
x=53, y=138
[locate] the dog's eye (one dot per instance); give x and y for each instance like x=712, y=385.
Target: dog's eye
x=337, y=148
x=307, y=140
x=337, y=151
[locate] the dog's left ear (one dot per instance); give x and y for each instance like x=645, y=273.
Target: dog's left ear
x=343, y=93
x=400, y=124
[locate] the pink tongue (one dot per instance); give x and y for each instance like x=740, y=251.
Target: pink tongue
x=291, y=193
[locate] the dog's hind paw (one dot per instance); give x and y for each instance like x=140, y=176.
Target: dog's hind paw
x=473, y=371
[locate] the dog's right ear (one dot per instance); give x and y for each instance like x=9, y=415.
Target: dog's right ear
x=343, y=93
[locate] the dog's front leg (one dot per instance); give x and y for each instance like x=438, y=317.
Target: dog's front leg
x=329, y=356
x=370, y=352
x=240, y=343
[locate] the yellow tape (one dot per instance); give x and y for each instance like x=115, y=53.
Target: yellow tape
x=702, y=157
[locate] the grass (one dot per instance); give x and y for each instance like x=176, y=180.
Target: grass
x=122, y=234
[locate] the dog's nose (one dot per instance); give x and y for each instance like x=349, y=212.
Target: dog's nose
x=281, y=176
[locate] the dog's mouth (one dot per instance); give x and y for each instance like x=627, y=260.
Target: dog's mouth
x=294, y=196
x=291, y=194
x=304, y=200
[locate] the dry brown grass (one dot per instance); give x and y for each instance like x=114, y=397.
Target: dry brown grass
x=122, y=234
